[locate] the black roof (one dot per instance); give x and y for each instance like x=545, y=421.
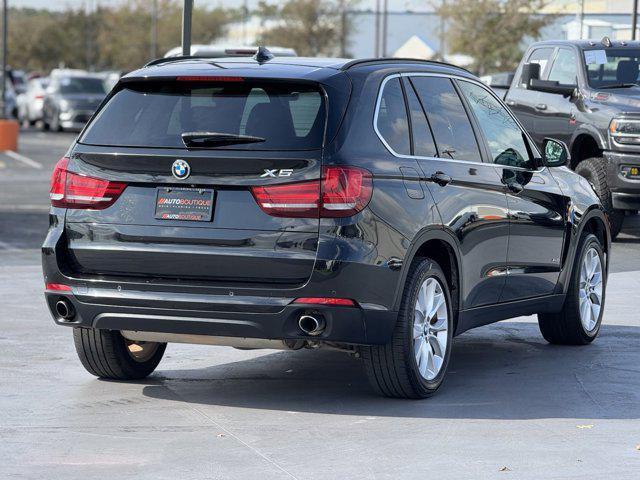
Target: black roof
x=589, y=44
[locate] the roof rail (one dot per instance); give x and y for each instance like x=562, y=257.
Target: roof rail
x=373, y=61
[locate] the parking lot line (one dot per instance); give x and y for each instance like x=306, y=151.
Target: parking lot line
x=21, y=158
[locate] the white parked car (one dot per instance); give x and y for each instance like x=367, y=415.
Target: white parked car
x=30, y=103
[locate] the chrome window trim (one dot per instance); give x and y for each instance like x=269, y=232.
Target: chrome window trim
x=451, y=76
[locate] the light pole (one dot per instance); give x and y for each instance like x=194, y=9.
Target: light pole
x=385, y=25
x=4, y=58
x=187, y=12
x=154, y=29
x=634, y=20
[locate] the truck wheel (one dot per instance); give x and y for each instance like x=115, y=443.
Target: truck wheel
x=107, y=354
x=414, y=362
x=594, y=170
x=579, y=321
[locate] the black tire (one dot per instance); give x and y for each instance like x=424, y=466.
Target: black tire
x=595, y=170
x=566, y=327
x=45, y=126
x=105, y=354
x=392, y=368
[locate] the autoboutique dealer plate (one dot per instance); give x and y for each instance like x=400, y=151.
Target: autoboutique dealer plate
x=191, y=204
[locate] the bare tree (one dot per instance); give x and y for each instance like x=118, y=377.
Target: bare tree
x=492, y=31
x=311, y=27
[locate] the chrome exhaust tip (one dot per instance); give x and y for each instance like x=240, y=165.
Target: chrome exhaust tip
x=65, y=310
x=311, y=325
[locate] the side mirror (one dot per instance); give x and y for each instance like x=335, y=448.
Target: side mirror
x=556, y=153
x=530, y=71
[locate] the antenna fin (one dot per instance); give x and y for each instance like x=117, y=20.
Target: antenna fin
x=263, y=55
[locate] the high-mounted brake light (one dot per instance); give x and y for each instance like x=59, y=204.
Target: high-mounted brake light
x=343, y=302
x=72, y=190
x=342, y=192
x=208, y=78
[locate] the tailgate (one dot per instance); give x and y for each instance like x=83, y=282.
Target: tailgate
x=226, y=237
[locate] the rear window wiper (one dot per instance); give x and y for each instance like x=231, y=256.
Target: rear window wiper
x=619, y=85
x=216, y=139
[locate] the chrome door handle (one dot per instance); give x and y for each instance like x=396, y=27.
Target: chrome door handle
x=441, y=178
x=541, y=106
x=511, y=103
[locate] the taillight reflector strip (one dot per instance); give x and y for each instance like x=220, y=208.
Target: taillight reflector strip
x=344, y=302
x=72, y=190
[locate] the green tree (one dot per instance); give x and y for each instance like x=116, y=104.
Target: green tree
x=492, y=31
x=124, y=33
x=311, y=27
x=112, y=37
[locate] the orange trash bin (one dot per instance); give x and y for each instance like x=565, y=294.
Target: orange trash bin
x=9, y=135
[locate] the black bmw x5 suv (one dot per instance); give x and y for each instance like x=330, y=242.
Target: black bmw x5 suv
x=381, y=207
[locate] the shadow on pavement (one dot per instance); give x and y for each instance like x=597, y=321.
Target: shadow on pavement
x=506, y=371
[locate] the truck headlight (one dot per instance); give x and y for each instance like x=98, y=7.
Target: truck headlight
x=625, y=131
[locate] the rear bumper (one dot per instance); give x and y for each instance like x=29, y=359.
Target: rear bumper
x=175, y=306
x=625, y=191
x=116, y=311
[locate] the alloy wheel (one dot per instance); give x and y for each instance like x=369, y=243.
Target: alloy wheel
x=590, y=290
x=430, y=328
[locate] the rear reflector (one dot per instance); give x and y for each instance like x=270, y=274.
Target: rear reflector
x=72, y=190
x=344, y=302
x=57, y=287
x=342, y=192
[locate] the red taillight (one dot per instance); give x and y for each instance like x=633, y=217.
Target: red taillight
x=343, y=302
x=289, y=200
x=57, y=287
x=39, y=97
x=72, y=190
x=343, y=191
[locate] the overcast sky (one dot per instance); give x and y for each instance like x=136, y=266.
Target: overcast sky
x=61, y=4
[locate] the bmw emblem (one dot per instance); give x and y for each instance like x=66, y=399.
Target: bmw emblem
x=180, y=169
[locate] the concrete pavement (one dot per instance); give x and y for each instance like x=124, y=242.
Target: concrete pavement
x=512, y=405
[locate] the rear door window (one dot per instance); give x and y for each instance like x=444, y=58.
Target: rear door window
x=451, y=126
x=156, y=114
x=423, y=143
x=391, y=122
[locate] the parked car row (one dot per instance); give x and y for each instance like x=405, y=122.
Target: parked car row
x=66, y=99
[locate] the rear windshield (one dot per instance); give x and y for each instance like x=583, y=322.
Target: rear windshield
x=154, y=114
x=82, y=85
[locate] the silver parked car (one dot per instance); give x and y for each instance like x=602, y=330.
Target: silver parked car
x=70, y=100
x=30, y=102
